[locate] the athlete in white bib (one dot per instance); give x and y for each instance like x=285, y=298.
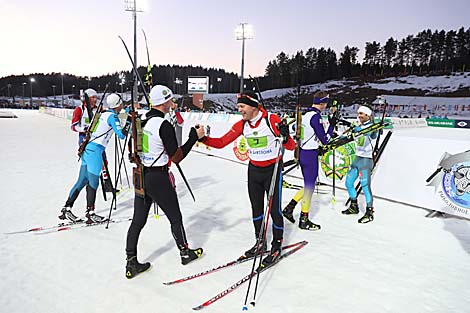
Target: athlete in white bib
x=362, y=166
x=260, y=130
x=92, y=160
x=159, y=147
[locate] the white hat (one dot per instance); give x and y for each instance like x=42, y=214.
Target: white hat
x=113, y=100
x=91, y=93
x=160, y=94
x=364, y=109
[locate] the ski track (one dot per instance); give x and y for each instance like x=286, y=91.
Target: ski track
x=401, y=262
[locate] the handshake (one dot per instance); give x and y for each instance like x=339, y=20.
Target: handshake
x=202, y=131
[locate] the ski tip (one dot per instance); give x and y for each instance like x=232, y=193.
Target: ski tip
x=245, y=308
x=156, y=216
x=197, y=308
x=253, y=303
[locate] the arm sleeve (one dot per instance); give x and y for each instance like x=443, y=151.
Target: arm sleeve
x=274, y=120
x=114, y=122
x=230, y=136
x=318, y=128
x=76, y=119
x=176, y=154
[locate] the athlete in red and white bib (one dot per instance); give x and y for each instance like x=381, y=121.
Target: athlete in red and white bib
x=261, y=130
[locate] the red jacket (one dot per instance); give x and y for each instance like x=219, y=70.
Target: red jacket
x=237, y=130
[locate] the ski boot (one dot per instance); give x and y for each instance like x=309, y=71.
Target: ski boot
x=256, y=249
x=68, y=215
x=368, y=216
x=92, y=217
x=274, y=255
x=353, y=208
x=134, y=268
x=289, y=210
x=189, y=255
x=306, y=224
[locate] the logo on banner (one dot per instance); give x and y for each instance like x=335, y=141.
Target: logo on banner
x=452, y=183
x=240, y=150
x=343, y=157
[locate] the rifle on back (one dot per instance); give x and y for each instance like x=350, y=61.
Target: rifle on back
x=93, y=121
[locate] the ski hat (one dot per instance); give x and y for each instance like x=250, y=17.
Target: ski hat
x=91, y=93
x=320, y=97
x=160, y=94
x=113, y=100
x=248, y=97
x=365, y=109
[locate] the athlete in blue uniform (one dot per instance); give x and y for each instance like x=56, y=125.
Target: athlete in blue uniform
x=362, y=167
x=92, y=160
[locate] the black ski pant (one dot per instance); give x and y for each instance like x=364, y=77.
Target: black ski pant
x=259, y=182
x=160, y=189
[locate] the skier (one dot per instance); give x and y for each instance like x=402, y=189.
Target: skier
x=80, y=118
x=362, y=166
x=81, y=122
x=260, y=129
x=92, y=160
x=159, y=148
x=313, y=134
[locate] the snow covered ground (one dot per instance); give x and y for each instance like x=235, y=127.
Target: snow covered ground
x=402, y=262
x=430, y=84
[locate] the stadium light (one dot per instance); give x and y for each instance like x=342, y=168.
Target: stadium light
x=135, y=6
x=242, y=32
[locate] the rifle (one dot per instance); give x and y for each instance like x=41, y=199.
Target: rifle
x=350, y=136
x=383, y=101
x=94, y=120
x=148, y=75
x=137, y=146
x=298, y=126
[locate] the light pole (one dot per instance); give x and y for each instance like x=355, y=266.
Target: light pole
x=135, y=6
x=62, y=80
x=73, y=87
x=8, y=86
x=88, y=80
x=23, y=92
x=242, y=32
x=32, y=80
x=53, y=91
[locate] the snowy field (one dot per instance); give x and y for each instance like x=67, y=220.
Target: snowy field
x=402, y=262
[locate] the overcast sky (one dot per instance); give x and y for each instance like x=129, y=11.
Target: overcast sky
x=80, y=37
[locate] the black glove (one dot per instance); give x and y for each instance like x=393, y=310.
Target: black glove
x=193, y=134
x=284, y=131
x=344, y=123
x=333, y=120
